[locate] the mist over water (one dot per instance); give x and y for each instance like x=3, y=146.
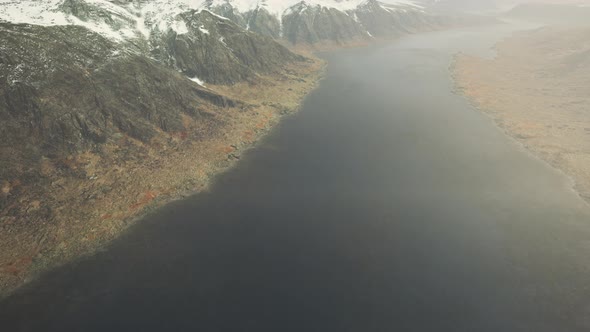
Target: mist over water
x=491, y=6
x=387, y=204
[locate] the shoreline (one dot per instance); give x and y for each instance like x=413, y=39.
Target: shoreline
x=82, y=230
x=571, y=182
x=173, y=168
x=538, y=129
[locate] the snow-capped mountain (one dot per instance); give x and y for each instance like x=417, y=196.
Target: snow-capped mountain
x=297, y=21
x=222, y=41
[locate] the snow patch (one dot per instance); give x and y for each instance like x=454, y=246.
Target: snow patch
x=222, y=41
x=103, y=29
x=218, y=16
x=197, y=80
x=203, y=30
x=179, y=27
x=40, y=13
x=142, y=28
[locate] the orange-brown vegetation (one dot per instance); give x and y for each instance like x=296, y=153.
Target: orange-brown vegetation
x=537, y=89
x=88, y=199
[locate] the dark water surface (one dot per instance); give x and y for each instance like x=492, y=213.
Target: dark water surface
x=387, y=204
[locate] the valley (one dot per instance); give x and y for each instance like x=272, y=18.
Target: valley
x=373, y=208
x=145, y=164
x=111, y=109
x=240, y=165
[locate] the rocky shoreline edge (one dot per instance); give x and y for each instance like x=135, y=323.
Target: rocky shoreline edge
x=461, y=88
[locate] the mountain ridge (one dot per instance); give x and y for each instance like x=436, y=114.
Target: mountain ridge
x=124, y=20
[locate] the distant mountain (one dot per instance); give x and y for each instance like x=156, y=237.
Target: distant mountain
x=308, y=21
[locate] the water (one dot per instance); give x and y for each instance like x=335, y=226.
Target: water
x=387, y=204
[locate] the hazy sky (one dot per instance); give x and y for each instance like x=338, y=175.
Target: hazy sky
x=493, y=4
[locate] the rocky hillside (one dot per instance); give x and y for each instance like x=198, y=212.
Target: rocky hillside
x=217, y=50
x=198, y=43
x=110, y=107
x=314, y=24
x=101, y=105
x=64, y=89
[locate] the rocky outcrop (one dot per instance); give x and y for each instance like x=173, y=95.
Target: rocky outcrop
x=383, y=20
x=85, y=12
x=228, y=11
x=262, y=22
x=310, y=22
x=303, y=23
x=258, y=19
x=218, y=51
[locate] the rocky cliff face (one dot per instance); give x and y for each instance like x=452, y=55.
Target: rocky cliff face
x=259, y=20
x=307, y=22
x=303, y=23
x=384, y=20
x=228, y=11
x=198, y=43
x=217, y=50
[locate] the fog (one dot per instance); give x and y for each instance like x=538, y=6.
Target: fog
x=490, y=5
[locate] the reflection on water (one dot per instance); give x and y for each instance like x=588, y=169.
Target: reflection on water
x=387, y=204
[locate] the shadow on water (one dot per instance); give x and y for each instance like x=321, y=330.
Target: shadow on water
x=386, y=204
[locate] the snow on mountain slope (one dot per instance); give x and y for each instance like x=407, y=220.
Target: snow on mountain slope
x=114, y=20
x=35, y=12
x=124, y=20
x=278, y=7
x=314, y=21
